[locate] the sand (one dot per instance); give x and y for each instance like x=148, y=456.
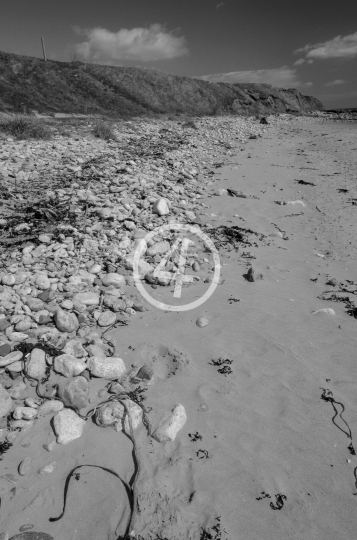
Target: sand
x=260, y=436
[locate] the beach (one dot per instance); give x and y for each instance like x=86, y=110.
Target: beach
x=259, y=456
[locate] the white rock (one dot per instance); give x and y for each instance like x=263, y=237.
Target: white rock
x=36, y=365
x=42, y=282
x=161, y=207
x=50, y=406
x=87, y=298
x=24, y=413
x=5, y=402
x=116, y=280
x=68, y=426
x=328, y=311
x=171, y=424
x=296, y=202
x=68, y=365
x=108, y=368
x=136, y=415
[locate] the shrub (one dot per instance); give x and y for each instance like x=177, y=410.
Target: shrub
x=103, y=130
x=22, y=127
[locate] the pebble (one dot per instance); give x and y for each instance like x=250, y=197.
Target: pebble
x=161, y=207
x=32, y=536
x=114, y=280
x=50, y=406
x=48, y=469
x=24, y=413
x=36, y=365
x=202, y=322
x=87, y=298
x=171, y=424
x=328, y=311
x=107, y=318
x=69, y=366
x=25, y=466
x=66, y=322
x=254, y=275
x=74, y=348
x=74, y=392
x=5, y=402
x=11, y=358
x=107, y=368
x=68, y=426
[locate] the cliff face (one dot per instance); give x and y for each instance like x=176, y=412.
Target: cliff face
x=28, y=83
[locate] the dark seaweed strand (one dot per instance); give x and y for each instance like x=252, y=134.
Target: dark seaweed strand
x=328, y=396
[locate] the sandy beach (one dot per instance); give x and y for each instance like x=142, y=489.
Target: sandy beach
x=259, y=457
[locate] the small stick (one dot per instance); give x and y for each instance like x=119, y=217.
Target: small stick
x=43, y=49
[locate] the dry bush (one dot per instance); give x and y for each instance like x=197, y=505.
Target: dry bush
x=104, y=130
x=23, y=127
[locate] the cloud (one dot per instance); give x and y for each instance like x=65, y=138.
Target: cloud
x=299, y=62
x=221, y=4
x=135, y=45
x=284, y=77
x=337, y=82
x=338, y=47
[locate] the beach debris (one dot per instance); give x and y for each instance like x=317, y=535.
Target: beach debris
x=328, y=311
x=224, y=365
x=171, y=423
x=202, y=322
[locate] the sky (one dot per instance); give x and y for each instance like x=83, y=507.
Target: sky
x=310, y=45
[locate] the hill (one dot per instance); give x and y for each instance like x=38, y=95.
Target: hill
x=28, y=83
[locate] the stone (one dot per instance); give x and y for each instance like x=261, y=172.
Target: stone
x=145, y=373
x=36, y=365
x=66, y=322
x=67, y=304
x=24, y=325
x=42, y=282
x=87, y=298
x=8, y=279
x=136, y=415
x=107, y=318
x=50, y=406
x=143, y=266
x=328, y=311
x=114, y=303
x=113, y=279
x=202, y=322
x=68, y=426
x=18, y=389
x=109, y=414
x=10, y=358
x=170, y=424
x=68, y=365
x=35, y=304
x=159, y=248
x=24, y=413
x=15, y=367
x=48, y=469
x=253, y=275
x=75, y=348
x=5, y=402
x=74, y=392
x=108, y=368
x=161, y=207
x=5, y=348
x=25, y=466
x=95, y=350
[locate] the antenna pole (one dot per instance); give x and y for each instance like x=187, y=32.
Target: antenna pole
x=43, y=49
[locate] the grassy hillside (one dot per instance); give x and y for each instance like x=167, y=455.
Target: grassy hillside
x=28, y=83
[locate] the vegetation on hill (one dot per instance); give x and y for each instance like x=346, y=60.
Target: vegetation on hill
x=28, y=84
